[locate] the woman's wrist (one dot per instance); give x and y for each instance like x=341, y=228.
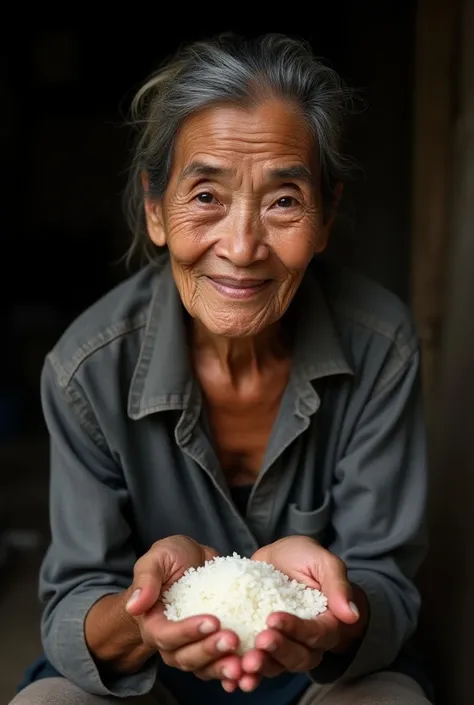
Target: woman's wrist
x=113, y=636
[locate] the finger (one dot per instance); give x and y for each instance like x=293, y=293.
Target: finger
x=209, y=553
x=261, y=663
x=271, y=668
x=170, y=636
x=227, y=668
x=253, y=661
x=292, y=655
x=249, y=683
x=322, y=632
x=148, y=582
x=143, y=595
x=338, y=590
x=196, y=656
x=229, y=686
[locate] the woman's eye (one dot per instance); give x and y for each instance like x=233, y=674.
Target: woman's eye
x=205, y=197
x=286, y=202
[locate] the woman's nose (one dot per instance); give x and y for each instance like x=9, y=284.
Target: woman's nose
x=243, y=240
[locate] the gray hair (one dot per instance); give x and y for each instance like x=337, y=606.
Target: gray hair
x=241, y=72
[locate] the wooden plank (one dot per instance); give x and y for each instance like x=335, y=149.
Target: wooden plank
x=435, y=48
x=447, y=580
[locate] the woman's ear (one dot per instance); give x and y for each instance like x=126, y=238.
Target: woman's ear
x=153, y=215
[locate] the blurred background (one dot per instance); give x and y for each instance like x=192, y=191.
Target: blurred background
x=407, y=220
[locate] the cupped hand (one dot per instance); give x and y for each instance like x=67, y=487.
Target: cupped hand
x=196, y=644
x=291, y=644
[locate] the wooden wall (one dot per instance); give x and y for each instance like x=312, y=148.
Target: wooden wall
x=443, y=282
x=435, y=75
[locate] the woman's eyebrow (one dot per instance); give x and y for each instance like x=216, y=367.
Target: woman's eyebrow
x=298, y=172
x=198, y=168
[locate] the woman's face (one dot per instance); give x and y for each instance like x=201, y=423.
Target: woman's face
x=242, y=215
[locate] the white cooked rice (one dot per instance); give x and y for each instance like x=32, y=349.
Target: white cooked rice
x=241, y=593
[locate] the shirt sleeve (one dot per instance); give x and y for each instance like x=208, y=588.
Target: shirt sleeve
x=91, y=552
x=379, y=495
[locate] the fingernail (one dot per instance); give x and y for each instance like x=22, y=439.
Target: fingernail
x=354, y=609
x=223, y=645
x=226, y=674
x=207, y=627
x=274, y=623
x=270, y=647
x=133, y=598
x=245, y=686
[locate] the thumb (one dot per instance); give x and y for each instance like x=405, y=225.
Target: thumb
x=209, y=553
x=144, y=593
x=339, y=592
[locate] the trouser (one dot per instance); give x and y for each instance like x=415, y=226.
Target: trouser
x=379, y=689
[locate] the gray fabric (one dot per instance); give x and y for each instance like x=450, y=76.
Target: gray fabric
x=60, y=691
x=378, y=689
x=131, y=461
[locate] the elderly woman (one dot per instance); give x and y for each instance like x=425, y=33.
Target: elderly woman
x=236, y=394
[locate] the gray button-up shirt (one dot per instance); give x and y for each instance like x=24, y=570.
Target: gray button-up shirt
x=132, y=460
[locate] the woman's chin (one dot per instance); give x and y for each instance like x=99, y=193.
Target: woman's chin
x=237, y=326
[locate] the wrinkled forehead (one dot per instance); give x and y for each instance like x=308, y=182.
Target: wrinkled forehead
x=224, y=140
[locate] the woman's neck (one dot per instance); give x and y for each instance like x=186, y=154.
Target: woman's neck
x=240, y=357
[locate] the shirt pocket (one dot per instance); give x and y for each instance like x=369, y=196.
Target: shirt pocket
x=313, y=523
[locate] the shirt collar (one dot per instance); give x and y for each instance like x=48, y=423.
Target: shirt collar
x=163, y=378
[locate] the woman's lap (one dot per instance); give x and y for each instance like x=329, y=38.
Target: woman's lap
x=60, y=691
x=387, y=688
x=379, y=689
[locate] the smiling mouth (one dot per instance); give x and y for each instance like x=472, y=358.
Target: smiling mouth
x=239, y=288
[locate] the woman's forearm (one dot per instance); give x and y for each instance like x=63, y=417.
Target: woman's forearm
x=113, y=636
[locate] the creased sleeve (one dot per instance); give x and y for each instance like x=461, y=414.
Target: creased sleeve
x=91, y=553
x=378, y=519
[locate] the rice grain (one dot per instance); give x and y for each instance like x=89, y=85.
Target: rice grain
x=241, y=593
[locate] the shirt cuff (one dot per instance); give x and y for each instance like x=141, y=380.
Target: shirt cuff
x=66, y=648
x=381, y=643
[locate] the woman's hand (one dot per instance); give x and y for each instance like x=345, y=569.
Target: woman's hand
x=195, y=644
x=291, y=644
